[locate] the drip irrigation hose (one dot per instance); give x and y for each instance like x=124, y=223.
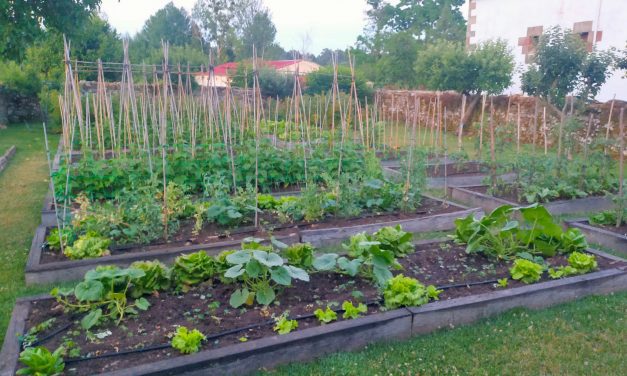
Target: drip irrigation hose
x=227, y=332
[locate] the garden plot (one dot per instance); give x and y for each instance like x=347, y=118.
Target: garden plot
x=606, y=235
x=264, y=305
x=478, y=196
x=47, y=263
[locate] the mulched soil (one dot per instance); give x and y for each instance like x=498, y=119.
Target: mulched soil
x=212, y=233
x=206, y=308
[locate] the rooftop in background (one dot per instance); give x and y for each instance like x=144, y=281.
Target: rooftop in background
x=223, y=71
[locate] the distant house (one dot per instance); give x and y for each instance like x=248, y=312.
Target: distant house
x=599, y=23
x=223, y=72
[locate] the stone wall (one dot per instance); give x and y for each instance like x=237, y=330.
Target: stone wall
x=17, y=108
x=401, y=105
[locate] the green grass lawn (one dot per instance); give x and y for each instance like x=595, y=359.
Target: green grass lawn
x=586, y=337
x=23, y=185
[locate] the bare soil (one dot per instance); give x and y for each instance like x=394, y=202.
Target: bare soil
x=206, y=308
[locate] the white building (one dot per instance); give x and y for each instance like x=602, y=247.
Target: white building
x=600, y=23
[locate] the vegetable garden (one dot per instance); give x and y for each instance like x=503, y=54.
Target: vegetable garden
x=238, y=228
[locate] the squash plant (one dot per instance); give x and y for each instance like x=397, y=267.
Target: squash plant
x=260, y=270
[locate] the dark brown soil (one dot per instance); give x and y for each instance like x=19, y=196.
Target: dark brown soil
x=206, y=307
x=621, y=230
x=212, y=233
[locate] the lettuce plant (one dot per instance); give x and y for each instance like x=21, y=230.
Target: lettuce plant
x=283, y=325
x=526, y=271
x=187, y=341
x=299, y=254
x=325, y=316
x=39, y=361
x=352, y=312
x=157, y=277
x=193, y=268
x=90, y=245
x=402, y=291
x=578, y=263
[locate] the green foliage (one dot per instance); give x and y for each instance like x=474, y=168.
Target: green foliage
x=193, y=268
x=260, y=270
x=285, y=325
x=90, y=245
x=39, y=361
x=395, y=239
x=103, y=295
x=18, y=78
x=352, y=312
x=562, y=65
x=321, y=81
x=187, y=341
x=526, y=271
x=502, y=282
x=325, y=316
x=447, y=66
x=299, y=254
x=498, y=235
x=54, y=240
x=26, y=21
x=578, y=263
x=402, y=291
x=157, y=277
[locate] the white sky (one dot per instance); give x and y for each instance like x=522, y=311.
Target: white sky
x=328, y=23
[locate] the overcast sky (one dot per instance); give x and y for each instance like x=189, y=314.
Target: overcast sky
x=327, y=23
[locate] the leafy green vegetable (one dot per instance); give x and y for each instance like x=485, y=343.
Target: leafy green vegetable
x=502, y=282
x=157, y=277
x=193, y=268
x=39, y=361
x=90, y=245
x=187, y=341
x=526, y=271
x=299, y=254
x=352, y=312
x=54, y=240
x=402, y=291
x=584, y=263
x=284, y=325
x=325, y=316
x=395, y=239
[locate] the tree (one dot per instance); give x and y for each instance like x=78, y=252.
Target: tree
x=260, y=33
x=448, y=66
x=169, y=24
x=223, y=22
x=429, y=20
x=325, y=57
x=23, y=22
x=444, y=66
x=595, y=70
x=558, y=61
x=321, y=81
x=271, y=82
x=493, y=64
x=396, y=65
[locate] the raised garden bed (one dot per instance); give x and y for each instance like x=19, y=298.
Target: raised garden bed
x=470, y=293
x=44, y=266
x=6, y=157
x=477, y=196
x=608, y=236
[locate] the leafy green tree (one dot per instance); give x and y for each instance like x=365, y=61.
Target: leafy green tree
x=260, y=33
x=429, y=20
x=558, y=61
x=396, y=65
x=321, y=81
x=325, y=57
x=595, y=70
x=223, y=22
x=271, y=82
x=445, y=66
x=23, y=22
x=448, y=66
x=169, y=24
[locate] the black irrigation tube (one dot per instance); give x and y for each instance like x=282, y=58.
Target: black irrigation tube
x=240, y=329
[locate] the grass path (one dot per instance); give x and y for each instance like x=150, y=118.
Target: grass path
x=23, y=185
